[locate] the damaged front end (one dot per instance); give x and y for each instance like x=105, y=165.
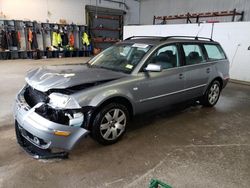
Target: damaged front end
x=48, y=121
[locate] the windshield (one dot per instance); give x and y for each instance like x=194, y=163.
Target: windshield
x=120, y=57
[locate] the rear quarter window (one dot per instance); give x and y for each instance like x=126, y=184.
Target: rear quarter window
x=193, y=54
x=214, y=52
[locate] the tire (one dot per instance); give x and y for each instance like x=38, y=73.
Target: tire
x=212, y=94
x=110, y=123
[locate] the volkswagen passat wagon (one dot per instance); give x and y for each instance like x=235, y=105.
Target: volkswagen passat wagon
x=61, y=104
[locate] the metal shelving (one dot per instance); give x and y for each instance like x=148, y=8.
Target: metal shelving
x=197, y=16
x=105, y=26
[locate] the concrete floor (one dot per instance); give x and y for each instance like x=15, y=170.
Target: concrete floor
x=189, y=146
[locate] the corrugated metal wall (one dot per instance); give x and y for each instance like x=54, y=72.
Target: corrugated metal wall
x=149, y=8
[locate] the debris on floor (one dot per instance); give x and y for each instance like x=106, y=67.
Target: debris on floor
x=155, y=183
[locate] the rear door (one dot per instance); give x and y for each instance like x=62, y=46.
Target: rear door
x=197, y=70
x=157, y=89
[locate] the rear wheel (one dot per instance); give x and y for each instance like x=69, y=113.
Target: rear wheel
x=212, y=94
x=110, y=123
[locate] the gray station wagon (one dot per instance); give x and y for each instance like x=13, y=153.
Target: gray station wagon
x=61, y=104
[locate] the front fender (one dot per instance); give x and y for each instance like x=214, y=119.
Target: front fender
x=109, y=94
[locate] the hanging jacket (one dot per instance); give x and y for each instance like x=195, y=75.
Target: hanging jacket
x=54, y=39
x=34, y=44
x=85, y=39
x=71, y=40
x=9, y=39
x=59, y=39
x=65, y=39
x=14, y=40
x=4, y=40
x=19, y=37
x=30, y=36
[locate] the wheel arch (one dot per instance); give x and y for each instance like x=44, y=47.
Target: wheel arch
x=219, y=79
x=120, y=100
x=114, y=99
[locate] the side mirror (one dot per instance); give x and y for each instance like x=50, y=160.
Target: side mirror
x=153, y=68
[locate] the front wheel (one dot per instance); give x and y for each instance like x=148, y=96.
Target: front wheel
x=110, y=123
x=212, y=94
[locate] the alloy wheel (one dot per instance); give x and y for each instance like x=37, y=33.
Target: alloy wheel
x=214, y=93
x=113, y=124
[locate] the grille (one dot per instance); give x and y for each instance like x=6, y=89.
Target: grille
x=33, y=96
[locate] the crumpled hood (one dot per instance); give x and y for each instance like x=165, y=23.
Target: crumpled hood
x=65, y=76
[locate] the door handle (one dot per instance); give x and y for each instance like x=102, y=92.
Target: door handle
x=181, y=76
x=208, y=70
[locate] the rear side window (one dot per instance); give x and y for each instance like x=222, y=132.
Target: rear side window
x=214, y=52
x=193, y=54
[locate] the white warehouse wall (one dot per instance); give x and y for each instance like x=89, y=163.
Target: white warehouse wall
x=234, y=38
x=73, y=11
x=149, y=8
x=42, y=10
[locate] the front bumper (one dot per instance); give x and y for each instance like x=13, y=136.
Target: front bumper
x=40, y=132
x=33, y=150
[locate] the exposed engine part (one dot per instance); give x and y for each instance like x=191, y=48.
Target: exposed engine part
x=33, y=96
x=70, y=117
x=65, y=117
x=76, y=120
x=51, y=114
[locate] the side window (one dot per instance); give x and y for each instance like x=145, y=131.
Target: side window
x=193, y=54
x=166, y=56
x=214, y=52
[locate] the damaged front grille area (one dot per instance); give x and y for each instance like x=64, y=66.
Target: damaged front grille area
x=54, y=115
x=61, y=116
x=33, y=96
x=69, y=117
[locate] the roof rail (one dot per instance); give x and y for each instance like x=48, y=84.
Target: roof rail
x=192, y=37
x=134, y=37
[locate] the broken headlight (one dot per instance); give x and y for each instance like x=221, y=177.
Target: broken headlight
x=59, y=100
x=70, y=117
x=75, y=119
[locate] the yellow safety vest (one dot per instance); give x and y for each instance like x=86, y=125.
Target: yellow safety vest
x=85, y=39
x=56, y=39
x=59, y=38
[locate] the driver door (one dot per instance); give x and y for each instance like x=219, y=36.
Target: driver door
x=158, y=89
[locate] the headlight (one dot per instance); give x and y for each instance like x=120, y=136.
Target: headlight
x=70, y=117
x=59, y=100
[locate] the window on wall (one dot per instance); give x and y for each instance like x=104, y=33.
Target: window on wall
x=193, y=54
x=214, y=52
x=166, y=56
